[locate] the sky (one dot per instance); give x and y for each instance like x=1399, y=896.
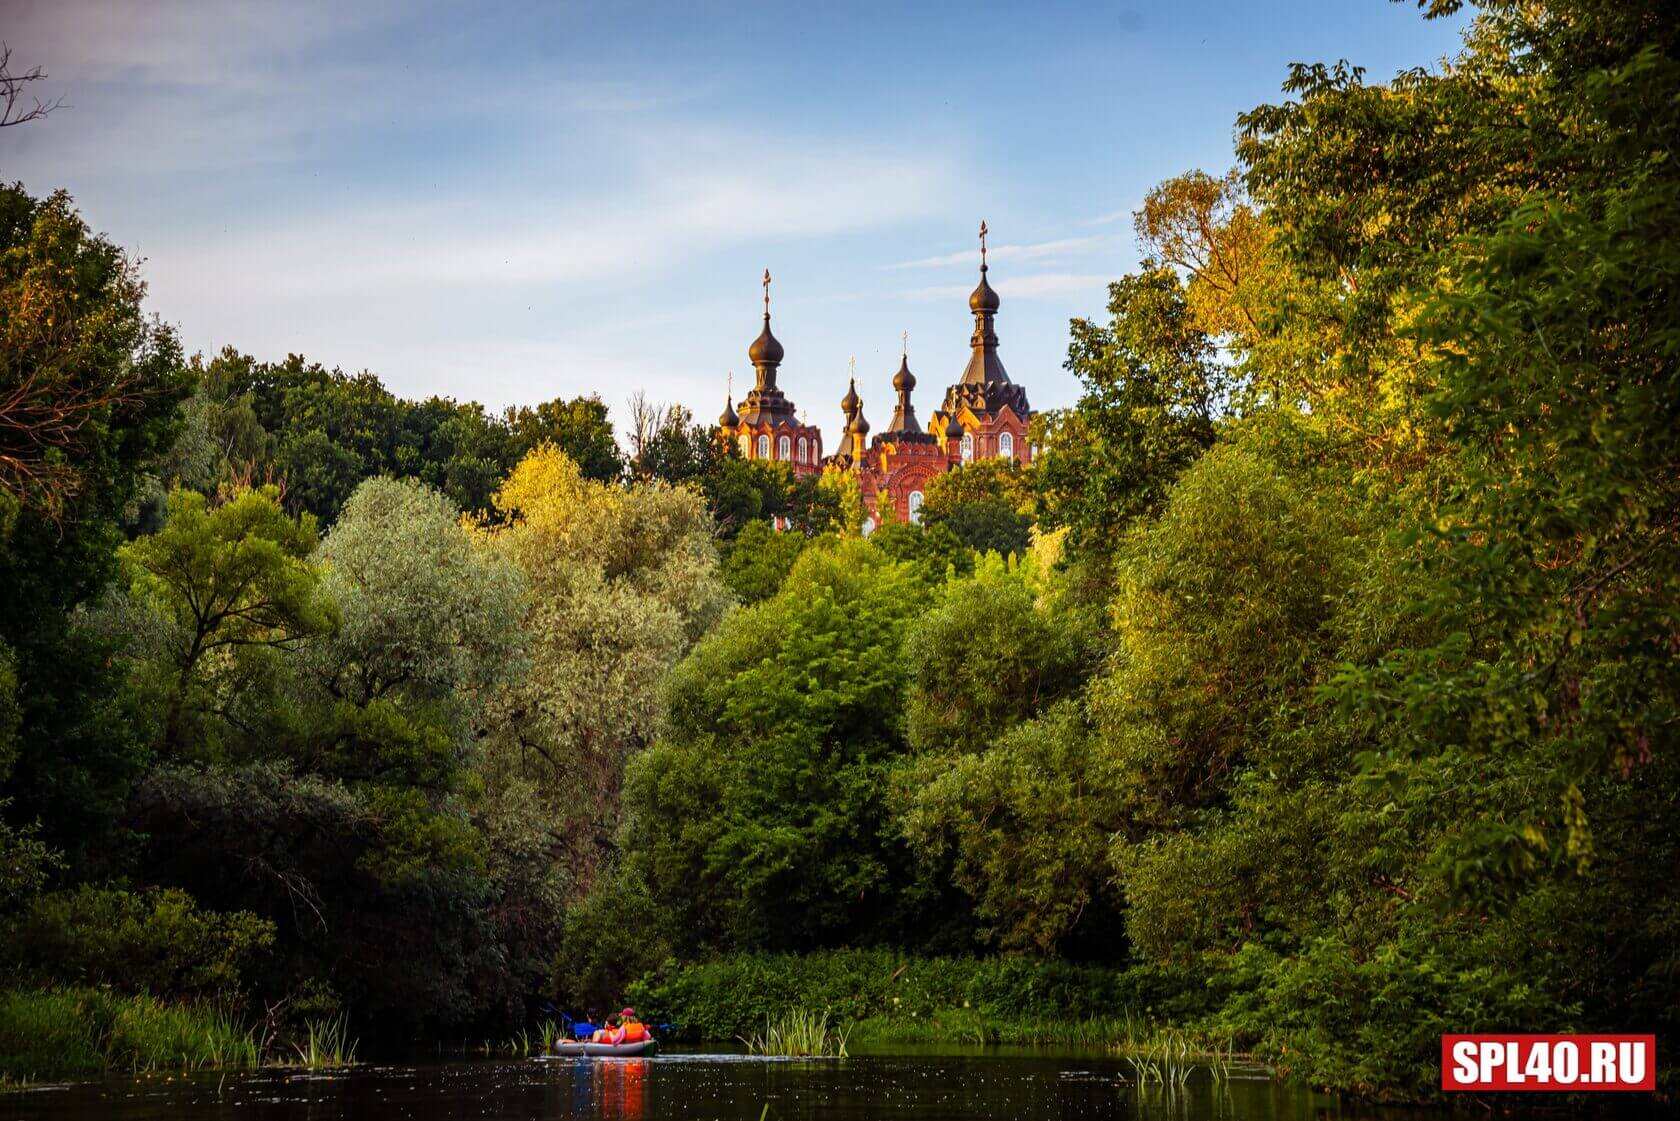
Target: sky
x=513, y=202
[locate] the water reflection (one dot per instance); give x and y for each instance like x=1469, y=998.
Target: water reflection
x=901, y=1087
x=610, y=1088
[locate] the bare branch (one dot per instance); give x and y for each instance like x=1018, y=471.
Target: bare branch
x=14, y=88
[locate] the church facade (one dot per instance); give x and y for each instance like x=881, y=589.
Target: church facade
x=983, y=415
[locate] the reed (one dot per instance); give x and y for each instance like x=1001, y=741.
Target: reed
x=799, y=1032
x=56, y=1033
x=1166, y=1057
x=326, y=1044
x=548, y=1032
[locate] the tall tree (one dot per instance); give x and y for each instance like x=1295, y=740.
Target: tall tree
x=88, y=389
x=225, y=579
x=1154, y=388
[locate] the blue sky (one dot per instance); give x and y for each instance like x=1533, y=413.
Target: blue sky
x=509, y=203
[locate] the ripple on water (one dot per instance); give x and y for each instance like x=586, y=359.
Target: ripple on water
x=723, y=1086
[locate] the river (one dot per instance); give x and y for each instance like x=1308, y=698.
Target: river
x=714, y=1086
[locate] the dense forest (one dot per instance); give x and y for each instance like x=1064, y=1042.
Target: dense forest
x=1315, y=687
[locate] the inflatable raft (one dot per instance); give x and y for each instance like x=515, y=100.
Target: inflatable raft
x=639, y=1049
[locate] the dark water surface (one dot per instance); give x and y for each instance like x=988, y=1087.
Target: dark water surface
x=723, y=1087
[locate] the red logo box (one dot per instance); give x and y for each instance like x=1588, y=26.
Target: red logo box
x=1575, y=1063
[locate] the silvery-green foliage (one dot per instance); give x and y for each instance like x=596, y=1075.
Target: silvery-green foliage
x=623, y=581
x=425, y=606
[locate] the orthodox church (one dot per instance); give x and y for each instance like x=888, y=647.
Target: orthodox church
x=983, y=414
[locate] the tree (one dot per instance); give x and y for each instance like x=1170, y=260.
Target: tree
x=1207, y=229
x=759, y=818
x=988, y=505
x=96, y=383
x=995, y=651
x=759, y=559
x=1027, y=821
x=623, y=580
x=1153, y=391
x=579, y=427
x=81, y=369
x=221, y=580
x=424, y=607
x=667, y=445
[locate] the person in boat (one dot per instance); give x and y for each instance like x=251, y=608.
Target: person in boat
x=612, y=1033
x=631, y=1029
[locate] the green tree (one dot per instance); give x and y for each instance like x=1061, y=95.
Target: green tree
x=759, y=559
x=987, y=504
x=759, y=818
x=993, y=653
x=578, y=427
x=221, y=580
x=88, y=390
x=623, y=580
x=1154, y=387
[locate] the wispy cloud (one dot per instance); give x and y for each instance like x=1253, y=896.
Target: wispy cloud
x=1110, y=218
x=1037, y=286
x=1037, y=251
x=643, y=221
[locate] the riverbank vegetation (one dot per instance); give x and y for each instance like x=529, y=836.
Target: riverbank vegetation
x=68, y=1032
x=1312, y=692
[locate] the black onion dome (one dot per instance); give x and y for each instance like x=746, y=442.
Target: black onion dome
x=765, y=350
x=953, y=427
x=904, y=380
x=850, y=402
x=728, y=419
x=858, y=425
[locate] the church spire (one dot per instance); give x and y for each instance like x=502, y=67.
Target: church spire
x=765, y=353
x=984, y=365
x=729, y=419
x=904, y=421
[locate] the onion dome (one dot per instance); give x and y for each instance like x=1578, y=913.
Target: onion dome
x=904, y=381
x=857, y=426
x=953, y=427
x=766, y=350
x=850, y=403
x=728, y=419
x=985, y=368
x=905, y=428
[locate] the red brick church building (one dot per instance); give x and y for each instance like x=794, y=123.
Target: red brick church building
x=983, y=415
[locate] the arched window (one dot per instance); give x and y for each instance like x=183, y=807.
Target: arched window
x=746, y=446
x=764, y=447
x=968, y=447
x=784, y=449
x=1006, y=446
x=802, y=458
x=915, y=507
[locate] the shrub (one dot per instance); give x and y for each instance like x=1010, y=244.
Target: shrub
x=156, y=941
x=731, y=997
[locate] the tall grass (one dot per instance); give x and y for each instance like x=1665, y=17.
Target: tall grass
x=1167, y=1056
x=59, y=1033
x=799, y=1033
x=326, y=1044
